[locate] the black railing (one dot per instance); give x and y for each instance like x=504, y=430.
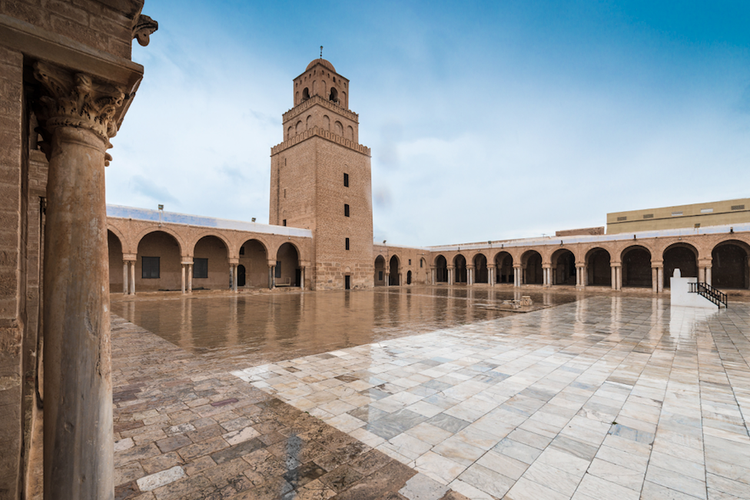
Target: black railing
x=705, y=290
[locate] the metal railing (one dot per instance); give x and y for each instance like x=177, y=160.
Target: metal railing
x=705, y=290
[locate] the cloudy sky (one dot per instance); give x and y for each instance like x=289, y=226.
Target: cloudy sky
x=486, y=120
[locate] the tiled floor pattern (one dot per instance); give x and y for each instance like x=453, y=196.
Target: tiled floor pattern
x=606, y=398
x=187, y=429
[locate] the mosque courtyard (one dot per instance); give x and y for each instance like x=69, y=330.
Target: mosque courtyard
x=429, y=393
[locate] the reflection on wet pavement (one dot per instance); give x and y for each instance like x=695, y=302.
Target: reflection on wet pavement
x=606, y=397
x=271, y=327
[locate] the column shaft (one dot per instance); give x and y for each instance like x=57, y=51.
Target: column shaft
x=708, y=275
x=182, y=278
x=125, y=277
x=78, y=439
x=660, y=279
x=132, y=277
x=654, y=280
x=190, y=278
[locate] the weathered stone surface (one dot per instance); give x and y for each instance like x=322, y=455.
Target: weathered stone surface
x=162, y=478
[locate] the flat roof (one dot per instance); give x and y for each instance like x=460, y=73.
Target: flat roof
x=122, y=212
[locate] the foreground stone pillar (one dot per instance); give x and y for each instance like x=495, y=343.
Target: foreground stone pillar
x=660, y=279
x=491, y=274
x=78, y=119
x=387, y=278
x=182, y=277
x=469, y=275
x=547, y=273
x=190, y=277
x=271, y=275
x=450, y=275
x=433, y=273
x=302, y=277
x=124, y=277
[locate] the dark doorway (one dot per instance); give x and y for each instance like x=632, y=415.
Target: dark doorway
x=441, y=269
x=240, y=275
x=729, y=266
x=408, y=278
x=680, y=257
x=598, y=267
x=460, y=269
x=347, y=282
x=636, y=267
x=533, y=269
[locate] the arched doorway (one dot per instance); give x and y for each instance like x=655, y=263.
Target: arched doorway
x=286, y=271
x=504, y=266
x=729, y=265
x=240, y=275
x=115, y=262
x=598, y=267
x=563, y=267
x=636, y=267
x=459, y=271
x=211, y=264
x=683, y=257
x=159, y=263
x=254, y=259
x=394, y=271
x=480, y=269
x=441, y=269
x=532, y=268
x=379, y=271
x=408, y=277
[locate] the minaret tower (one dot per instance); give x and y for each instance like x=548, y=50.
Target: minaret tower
x=320, y=179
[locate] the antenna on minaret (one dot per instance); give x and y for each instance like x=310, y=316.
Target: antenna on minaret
x=321, y=52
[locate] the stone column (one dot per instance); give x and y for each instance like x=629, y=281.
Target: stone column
x=450, y=275
x=433, y=272
x=708, y=275
x=302, y=277
x=400, y=279
x=132, y=277
x=190, y=277
x=387, y=276
x=77, y=118
x=580, y=275
x=517, y=276
x=618, y=275
x=491, y=274
x=271, y=275
x=613, y=276
x=124, y=277
x=234, y=263
x=660, y=279
x=182, y=277
x=546, y=273
x=469, y=275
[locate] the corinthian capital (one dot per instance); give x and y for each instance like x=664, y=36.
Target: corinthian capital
x=76, y=100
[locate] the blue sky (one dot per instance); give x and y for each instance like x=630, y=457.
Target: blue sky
x=486, y=120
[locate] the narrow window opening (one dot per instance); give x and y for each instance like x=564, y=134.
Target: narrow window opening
x=409, y=261
x=346, y=179
x=347, y=282
x=305, y=94
x=284, y=193
x=346, y=210
x=200, y=268
x=284, y=223
x=347, y=243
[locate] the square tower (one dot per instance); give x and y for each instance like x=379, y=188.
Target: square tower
x=321, y=180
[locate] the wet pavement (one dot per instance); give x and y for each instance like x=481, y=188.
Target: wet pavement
x=272, y=327
x=605, y=397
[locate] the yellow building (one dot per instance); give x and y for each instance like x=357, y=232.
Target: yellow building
x=717, y=213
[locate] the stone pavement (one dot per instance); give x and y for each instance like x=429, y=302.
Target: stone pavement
x=187, y=429
x=608, y=397
x=605, y=398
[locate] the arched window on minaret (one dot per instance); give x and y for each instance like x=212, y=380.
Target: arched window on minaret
x=334, y=95
x=298, y=128
x=305, y=94
x=313, y=87
x=339, y=129
x=350, y=133
x=326, y=123
x=344, y=102
x=308, y=122
x=289, y=132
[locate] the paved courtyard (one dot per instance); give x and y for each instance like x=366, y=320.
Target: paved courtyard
x=606, y=397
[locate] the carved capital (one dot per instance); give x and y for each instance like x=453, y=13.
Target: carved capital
x=76, y=100
x=143, y=28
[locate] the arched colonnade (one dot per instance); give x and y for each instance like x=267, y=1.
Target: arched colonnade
x=148, y=256
x=722, y=260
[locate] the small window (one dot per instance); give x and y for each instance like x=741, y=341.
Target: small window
x=150, y=268
x=200, y=268
x=242, y=250
x=421, y=263
x=380, y=275
x=283, y=222
x=648, y=216
x=346, y=180
x=698, y=225
x=284, y=193
x=346, y=210
x=409, y=261
x=277, y=268
x=738, y=207
x=620, y=219
x=347, y=243
x=706, y=210
x=676, y=214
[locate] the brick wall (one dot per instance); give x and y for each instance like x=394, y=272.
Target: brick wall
x=86, y=21
x=11, y=327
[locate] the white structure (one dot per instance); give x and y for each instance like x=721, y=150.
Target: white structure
x=681, y=296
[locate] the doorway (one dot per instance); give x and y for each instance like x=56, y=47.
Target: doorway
x=240, y=275
x=347, y=282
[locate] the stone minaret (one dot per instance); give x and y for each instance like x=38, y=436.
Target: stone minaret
x=320, y=179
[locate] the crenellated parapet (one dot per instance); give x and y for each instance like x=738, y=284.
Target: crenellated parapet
x=325, y=134
x=316, y=99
